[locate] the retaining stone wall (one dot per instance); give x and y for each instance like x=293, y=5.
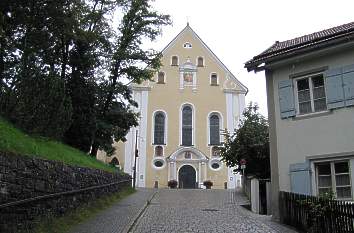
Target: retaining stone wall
x=24, y=177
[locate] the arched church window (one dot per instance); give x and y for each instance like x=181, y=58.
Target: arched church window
x=159, y=128
x=114, y=162
x=214, y=127
x=174, y=61
x=187, y=127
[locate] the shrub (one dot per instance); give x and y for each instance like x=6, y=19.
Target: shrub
x=208, y=183
x=172, y=184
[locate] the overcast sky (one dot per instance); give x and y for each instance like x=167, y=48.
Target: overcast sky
x=237, y=30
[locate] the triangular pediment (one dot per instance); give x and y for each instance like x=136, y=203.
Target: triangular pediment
x=231, y=83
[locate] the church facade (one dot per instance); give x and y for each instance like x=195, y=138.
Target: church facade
x=182, y=112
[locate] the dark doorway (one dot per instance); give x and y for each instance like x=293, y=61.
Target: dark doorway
x=187, y=177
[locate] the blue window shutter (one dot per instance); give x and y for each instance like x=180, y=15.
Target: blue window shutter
x=348, y=85
x=286, y=98
x=334, y=88
x=300, y=178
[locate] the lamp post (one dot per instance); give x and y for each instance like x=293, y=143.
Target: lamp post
x=136, y=154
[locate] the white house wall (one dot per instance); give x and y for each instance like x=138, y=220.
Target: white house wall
x=300, y=139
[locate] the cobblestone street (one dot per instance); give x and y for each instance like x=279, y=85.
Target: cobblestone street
x=203, y=211
x=181, y=210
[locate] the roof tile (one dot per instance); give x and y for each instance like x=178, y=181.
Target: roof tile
x=284, y=47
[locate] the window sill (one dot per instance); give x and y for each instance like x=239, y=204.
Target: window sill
x=187, y=145
x=160, y=83
x=159, y=144
x=312, y=115
x=215, y=85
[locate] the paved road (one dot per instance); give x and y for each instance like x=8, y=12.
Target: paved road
x=118, y=217
x=203, y=211
x=181, y=211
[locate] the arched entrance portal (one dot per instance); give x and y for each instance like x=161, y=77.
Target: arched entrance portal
x=187, y=177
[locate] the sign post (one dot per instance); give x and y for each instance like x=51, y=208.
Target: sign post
x=136, y=154
x=243, y=166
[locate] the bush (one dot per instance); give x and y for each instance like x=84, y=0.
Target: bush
x=208, y=184
x=172, y=184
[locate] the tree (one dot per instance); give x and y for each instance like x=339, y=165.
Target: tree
x=132, y=63
x=65, y=71
x=249, y=142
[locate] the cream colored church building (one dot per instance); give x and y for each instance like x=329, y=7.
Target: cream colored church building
x=192, y=98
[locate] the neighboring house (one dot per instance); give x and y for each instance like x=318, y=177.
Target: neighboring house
x=192, y=98
x=310, y=91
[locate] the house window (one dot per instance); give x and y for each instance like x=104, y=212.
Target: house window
x=214, y=79
x=159, y=128
x=334, y=176
x=161, y=77
x=311, y=95
x=174, y=61
x=214, y=129
x=158, y=151
x=200, y=62
x=187, y=128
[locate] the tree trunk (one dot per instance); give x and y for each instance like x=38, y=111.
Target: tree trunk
x=65, y=48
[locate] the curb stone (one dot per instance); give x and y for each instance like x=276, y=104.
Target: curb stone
x=131, y=224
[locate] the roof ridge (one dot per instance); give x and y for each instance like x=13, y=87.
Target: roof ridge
x=313, y=33
x=297, y=43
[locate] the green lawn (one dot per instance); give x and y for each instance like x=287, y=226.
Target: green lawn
x=14, y=140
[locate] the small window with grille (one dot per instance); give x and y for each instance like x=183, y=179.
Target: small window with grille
x=161, y=77
x=200, y=62
x=213, y=79
x=174, y=61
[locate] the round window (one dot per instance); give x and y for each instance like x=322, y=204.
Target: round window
x=158, y=163
x=215, y=165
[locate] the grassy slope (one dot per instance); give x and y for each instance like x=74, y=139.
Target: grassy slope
x=14, y=140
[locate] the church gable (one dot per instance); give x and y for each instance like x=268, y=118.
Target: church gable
x=196, y=65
